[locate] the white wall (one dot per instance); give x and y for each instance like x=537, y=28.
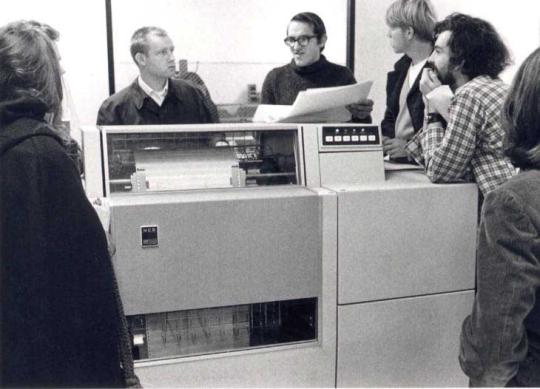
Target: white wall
x=82, y=45
x=230, y=43
x=517, y=21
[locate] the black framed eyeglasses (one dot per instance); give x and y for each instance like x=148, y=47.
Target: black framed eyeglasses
x=302, y=40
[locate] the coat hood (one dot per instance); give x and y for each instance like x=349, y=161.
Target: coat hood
x=21, y=119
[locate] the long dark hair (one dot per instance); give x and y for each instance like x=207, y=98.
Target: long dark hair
x=475, y=44
x=521, y=115
x=29, y=66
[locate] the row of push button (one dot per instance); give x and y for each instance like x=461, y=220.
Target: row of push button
x=350, y=138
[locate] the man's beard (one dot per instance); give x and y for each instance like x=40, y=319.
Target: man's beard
x=446, y=78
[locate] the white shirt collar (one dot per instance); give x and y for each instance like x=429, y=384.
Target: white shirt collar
x=157, y=96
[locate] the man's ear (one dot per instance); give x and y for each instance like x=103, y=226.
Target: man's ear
x=458, y=67
x=140, y=58
x=322, y=40
x=409, y=32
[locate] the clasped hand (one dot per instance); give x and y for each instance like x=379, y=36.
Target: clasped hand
x=394, y=147
x=429, y=81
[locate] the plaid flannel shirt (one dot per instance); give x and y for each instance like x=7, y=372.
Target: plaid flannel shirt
x=470, y=147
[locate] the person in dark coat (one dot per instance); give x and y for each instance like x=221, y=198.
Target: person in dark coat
x=500, y=340
x=61, y=321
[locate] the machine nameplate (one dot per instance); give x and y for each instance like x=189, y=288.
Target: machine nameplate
x=149, y=236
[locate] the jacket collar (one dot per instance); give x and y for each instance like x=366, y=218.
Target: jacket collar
x=402, y=64
x=139, y=95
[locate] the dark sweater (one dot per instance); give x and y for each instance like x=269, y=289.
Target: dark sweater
x=282, y=84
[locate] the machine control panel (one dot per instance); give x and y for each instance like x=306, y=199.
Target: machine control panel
x=350, y=135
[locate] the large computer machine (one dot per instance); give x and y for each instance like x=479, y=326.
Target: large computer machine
x=282, y=255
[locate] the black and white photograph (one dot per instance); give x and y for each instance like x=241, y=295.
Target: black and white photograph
x=269, y=194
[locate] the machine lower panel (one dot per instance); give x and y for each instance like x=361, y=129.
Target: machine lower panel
x=209, y=330
x=406, y=342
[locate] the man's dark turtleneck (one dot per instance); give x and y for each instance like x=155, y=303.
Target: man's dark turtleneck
x=316, y=66
x=282, y=84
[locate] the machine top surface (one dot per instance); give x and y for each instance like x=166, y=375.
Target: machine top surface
x=399, y=180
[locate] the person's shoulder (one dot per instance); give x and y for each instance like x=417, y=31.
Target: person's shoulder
x=121, y=101
x=37, y=142
x=483, y=91
x=182, y=85
x=523, y=188
x=483, y=84
x=403, y=61
x=402, y=64
x=342, y=75
x=338, y=68
x=120, y=97
x=278, y=71
x=524, y=182
x=185, y=89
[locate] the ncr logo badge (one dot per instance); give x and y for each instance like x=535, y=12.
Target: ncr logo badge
x=149, y=236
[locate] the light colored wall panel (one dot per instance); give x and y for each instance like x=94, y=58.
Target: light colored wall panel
x=402, y=343
x=82, y=45
x=406, y=241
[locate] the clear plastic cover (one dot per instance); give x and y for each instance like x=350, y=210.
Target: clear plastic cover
x=210, y=330
x=163, y=161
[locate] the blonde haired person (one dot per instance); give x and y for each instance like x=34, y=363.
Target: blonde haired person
x=410, y=29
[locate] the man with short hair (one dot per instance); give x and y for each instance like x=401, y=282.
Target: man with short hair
x=306, y=38
x=410, y=30
x=154, y=97
x=468, y=56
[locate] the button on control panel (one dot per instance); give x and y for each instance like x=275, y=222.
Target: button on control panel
x=350, y=135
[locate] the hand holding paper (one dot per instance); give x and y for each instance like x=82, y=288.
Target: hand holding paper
x=315, y=101
x=361, y=109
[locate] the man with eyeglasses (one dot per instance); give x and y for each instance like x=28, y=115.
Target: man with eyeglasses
x=306, y=37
